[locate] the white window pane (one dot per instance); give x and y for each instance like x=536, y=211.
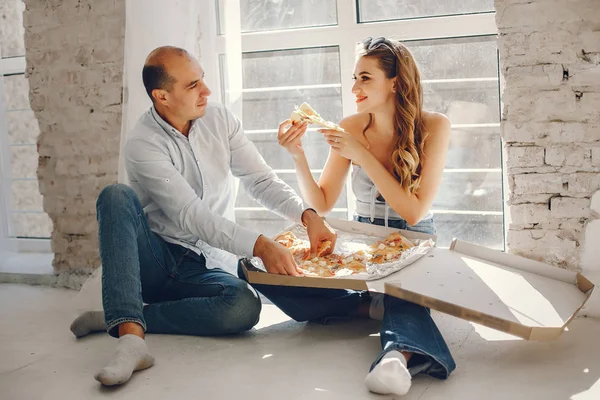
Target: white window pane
x=16, y=92
x=470, y=191
x=485, y=230
x=30, y=225
x=460, y=80
x=315, y=148
x=12, y=41
x=306, y=75
x=477, y=147
x=265, y=110
x=268, y=223
x=243, y=200
x=24, y=161
x=456, y=58
x=315, y=66
x=464, y=103
x=22, y=127
x=274, y=83
x=25, y=196
x=266, y=15
x=382, y=10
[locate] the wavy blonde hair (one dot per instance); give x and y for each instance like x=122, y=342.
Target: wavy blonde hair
x=398, y=63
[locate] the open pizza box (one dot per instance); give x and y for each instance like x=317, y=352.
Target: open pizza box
x=512, y=294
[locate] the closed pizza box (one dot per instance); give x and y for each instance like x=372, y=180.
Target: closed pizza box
x=512, y=294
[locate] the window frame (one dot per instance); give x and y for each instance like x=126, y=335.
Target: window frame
x=12, y=66
x=347, y=33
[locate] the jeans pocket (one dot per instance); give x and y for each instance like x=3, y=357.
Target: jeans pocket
x=424, y=226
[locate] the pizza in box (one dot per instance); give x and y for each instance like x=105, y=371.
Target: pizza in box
x=384, y=251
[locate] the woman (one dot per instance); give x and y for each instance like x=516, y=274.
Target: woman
x=397, y=152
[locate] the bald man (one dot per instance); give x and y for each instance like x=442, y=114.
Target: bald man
x=152, y=234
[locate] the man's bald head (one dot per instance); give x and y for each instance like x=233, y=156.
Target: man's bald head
x=156, y=68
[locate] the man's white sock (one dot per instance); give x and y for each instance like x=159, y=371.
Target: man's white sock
x=132, y=355
x=390, y=376
x=88, y=322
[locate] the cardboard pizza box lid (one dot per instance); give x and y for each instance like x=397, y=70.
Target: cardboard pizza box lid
x=512, y=294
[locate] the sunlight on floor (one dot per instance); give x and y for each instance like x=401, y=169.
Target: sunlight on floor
x=492, y=335
x=276, y=316
x=592, y=393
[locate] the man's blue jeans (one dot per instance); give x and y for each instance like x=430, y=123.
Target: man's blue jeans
x=405, y=327
x=182, y=295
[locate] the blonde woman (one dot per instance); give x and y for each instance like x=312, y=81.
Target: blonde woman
x=396, y=152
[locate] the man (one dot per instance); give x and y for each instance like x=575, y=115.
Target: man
x=152, y=234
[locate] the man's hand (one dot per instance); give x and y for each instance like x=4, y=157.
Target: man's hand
x=276, y=258
x=318, y=231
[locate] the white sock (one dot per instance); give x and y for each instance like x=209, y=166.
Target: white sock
x=390, y=376
x=132, y=355
x=89, y=321
x=376, y=308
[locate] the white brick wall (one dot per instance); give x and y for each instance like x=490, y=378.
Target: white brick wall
x=550, y=60
x=74, y=64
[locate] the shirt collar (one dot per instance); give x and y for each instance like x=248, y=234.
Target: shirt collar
x=168, y=127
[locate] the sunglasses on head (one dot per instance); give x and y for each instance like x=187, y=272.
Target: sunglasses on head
x=371, y=43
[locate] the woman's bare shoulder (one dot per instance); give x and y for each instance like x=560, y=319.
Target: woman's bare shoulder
x=355, y=123
x=436, y=123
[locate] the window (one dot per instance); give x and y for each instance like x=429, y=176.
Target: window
x=22, y=210
x=454, y=43
x=273, y=83
x=260, y=15
x=460, y=80
x=26, y=216
x=384, y=10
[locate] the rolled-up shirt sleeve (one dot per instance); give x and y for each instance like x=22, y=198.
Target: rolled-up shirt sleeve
x=150, y=165
x=257, y=178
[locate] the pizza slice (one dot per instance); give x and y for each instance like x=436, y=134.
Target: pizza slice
x=325, y=266
x=300, y=248
x=306, y=113
x=389, y=249
x=323, y=247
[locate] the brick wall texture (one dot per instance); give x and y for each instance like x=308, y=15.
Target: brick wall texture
x=550, y=61
x=74, y=56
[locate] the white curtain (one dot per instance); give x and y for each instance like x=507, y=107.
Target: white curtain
x=150, y=24
x=194, y=26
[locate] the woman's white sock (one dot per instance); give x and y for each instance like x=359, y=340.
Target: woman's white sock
x=390, y=376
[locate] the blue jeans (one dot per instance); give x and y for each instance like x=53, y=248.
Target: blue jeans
x=405, y=326
x=182, y=295
x=423, y=226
